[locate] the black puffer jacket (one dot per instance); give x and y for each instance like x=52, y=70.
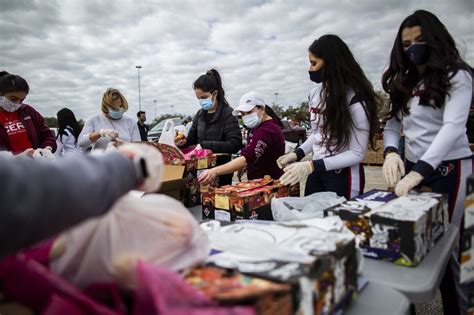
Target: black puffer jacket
x=221, y=135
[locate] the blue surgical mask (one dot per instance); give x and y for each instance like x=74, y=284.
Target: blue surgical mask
x=251, y=120
x=206, y=104
x=316, y=76
x=418, y=53
x=115, y=114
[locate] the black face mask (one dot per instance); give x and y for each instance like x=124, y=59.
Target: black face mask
x=418, y=53
x=316, y=76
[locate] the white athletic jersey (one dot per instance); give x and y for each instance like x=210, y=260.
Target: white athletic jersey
x=354, y=152
x=435, y=135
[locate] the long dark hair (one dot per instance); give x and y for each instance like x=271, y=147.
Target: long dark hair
x=66, y=118
x=402, y=76
x=210, y=82
x=340, y=73
x=270, y=112
x=12, y=83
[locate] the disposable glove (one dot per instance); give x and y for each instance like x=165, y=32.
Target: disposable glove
x=207, y=176
x=286, y=159
x=109, y=133
x=407, y=183
x=43, y=154
x=296, y=172
x=148, y=160
x=393, y=169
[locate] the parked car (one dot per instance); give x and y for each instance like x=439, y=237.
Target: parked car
x=293, y=134
x=155, y=133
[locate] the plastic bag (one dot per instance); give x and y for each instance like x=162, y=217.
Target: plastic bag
x=168, y=133
x=155, y=228
x=300, y=208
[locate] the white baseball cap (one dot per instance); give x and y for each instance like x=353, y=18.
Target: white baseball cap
x=248, y=101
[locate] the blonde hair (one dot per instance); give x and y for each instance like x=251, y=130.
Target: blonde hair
x=108, y=100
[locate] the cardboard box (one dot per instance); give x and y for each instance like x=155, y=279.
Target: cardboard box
x=191, y=192
x=401, y=230
x=330, y=276
x=246, y=200
x=228, y=287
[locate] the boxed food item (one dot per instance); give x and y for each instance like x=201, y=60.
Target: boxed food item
x=196, y=161
x=322, y=264
x=245, y=200
x=401, y=230
x=230, y=287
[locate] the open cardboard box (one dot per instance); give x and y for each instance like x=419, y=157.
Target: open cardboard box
x=172, y=181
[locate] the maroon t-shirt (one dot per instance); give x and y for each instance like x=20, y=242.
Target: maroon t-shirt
x=265, y=144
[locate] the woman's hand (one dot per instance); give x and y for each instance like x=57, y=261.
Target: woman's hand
x=208, y=176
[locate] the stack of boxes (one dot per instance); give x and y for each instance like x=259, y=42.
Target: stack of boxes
x=467, y=246
x=326, y=281
x=191, y=192
x=401, y=230
x=245, y=200
x=374, y=157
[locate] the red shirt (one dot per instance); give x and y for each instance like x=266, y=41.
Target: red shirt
x=16, y=131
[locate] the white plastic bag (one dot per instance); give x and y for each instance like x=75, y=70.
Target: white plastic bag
x=153, y=228
x=300, y=208
x=168, y=133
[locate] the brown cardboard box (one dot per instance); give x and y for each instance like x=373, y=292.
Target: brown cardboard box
x=172, y=181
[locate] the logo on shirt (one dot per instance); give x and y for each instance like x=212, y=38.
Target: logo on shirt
x=14, y=127
x=260, y=149
x=444, y=170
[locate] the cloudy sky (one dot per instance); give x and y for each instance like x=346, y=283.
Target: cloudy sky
x=70, y=51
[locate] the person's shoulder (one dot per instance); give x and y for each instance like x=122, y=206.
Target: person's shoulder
x=460, y=72
x=28, y=109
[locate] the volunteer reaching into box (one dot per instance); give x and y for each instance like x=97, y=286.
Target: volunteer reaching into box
x=343, y=111
x=430, y=89
x=265, y=142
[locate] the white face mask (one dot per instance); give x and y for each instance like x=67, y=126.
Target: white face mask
x=251, y=120
x=8, y=105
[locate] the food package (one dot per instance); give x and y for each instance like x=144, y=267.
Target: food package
x=401, y=230
x=245, y=200
x=230, y=287
x=319, y=252
x=154, y=228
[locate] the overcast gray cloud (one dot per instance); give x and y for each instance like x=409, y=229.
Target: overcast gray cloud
x=70, y=51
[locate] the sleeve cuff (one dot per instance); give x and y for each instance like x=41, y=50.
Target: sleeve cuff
x=423, y=168
x=319, y=166
x=389, y=150
x=299, y=154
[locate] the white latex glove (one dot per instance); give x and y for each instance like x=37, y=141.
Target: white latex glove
x=286, y=159
x=43, y=154
x=296, y=172
x=393, y=169
x=208, y=176
x=408, y=183
x=109, y=133
x=147, y=158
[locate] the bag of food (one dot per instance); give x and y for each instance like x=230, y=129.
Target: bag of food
x=154, y=228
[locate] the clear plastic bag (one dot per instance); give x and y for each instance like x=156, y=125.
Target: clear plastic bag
x=300, y=208
x=168, y=133
x=154, y=228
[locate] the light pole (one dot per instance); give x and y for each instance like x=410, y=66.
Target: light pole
x=276, y=98
x=155, y=106
x=139, y=95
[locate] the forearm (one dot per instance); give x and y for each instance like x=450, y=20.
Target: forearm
x=233, y=166
x=82, y=187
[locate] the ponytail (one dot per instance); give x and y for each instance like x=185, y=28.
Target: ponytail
x=270, y=112
x=210, y=82
x=12, y=83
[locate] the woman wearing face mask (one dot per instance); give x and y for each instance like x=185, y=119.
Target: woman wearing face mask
x=214, y=127
x=22, y=128
x=111, y=124
x=430, y=89
x=343, y=111
x=265, y=142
